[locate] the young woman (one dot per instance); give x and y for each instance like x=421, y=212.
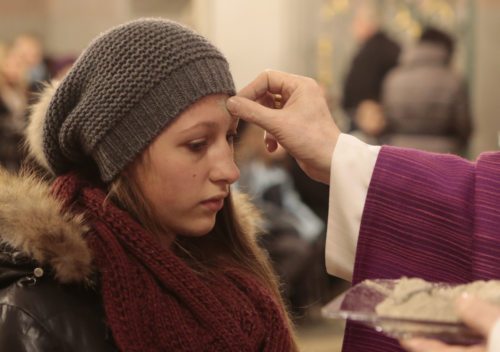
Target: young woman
x=138, y=244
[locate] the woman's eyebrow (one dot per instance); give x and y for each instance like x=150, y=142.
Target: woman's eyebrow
x=205, y=124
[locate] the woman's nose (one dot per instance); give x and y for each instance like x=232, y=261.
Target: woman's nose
x=225, y=169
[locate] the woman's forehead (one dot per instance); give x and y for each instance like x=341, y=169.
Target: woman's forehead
x=210, y=111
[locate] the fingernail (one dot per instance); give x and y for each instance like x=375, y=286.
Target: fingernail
x=231, y=103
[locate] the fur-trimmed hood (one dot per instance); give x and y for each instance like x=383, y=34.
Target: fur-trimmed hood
x=33, y=224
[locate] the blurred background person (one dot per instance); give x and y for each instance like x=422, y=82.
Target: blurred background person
x=376, y=56
x=13, y=104
x=294, y=234
x=29, y=50
x=23, y=70
x=425, y=100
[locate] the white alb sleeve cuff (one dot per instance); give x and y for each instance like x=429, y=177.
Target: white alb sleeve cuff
x=494, y=338
x=352, y=166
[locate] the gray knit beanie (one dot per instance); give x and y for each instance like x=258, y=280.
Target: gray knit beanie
x=124, y=89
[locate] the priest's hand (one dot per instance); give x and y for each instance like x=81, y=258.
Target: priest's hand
x=293, y=111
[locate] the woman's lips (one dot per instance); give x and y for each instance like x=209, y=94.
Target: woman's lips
x=214, y=204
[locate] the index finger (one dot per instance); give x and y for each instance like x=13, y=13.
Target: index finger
x=274, y=82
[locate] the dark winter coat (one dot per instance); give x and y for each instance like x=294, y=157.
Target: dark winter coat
x=377, y=56
x=48, y=299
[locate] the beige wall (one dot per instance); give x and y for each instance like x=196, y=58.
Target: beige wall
x=486, y=85
x=67, y=26
x=259, y=34
x=71, y=24
x=22, y=16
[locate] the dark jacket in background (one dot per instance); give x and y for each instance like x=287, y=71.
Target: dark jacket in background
x=377, y=56
x=11, y=127
x=426, y=103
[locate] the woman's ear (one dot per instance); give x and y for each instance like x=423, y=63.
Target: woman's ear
x=137, y=166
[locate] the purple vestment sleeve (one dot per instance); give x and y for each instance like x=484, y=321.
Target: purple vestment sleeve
x=433, y=216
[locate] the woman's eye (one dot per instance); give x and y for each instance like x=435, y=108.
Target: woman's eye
x=197, y=145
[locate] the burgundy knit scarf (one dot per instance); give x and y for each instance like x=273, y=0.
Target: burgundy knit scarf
x=155, y=302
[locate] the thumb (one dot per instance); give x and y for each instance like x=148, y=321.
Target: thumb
x=251, y=111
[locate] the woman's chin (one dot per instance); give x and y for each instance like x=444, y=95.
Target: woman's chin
x=198, y=231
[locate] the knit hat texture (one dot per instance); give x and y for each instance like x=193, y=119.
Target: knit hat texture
x=129, y=84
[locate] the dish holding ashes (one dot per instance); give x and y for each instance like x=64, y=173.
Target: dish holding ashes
x=412, y=307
